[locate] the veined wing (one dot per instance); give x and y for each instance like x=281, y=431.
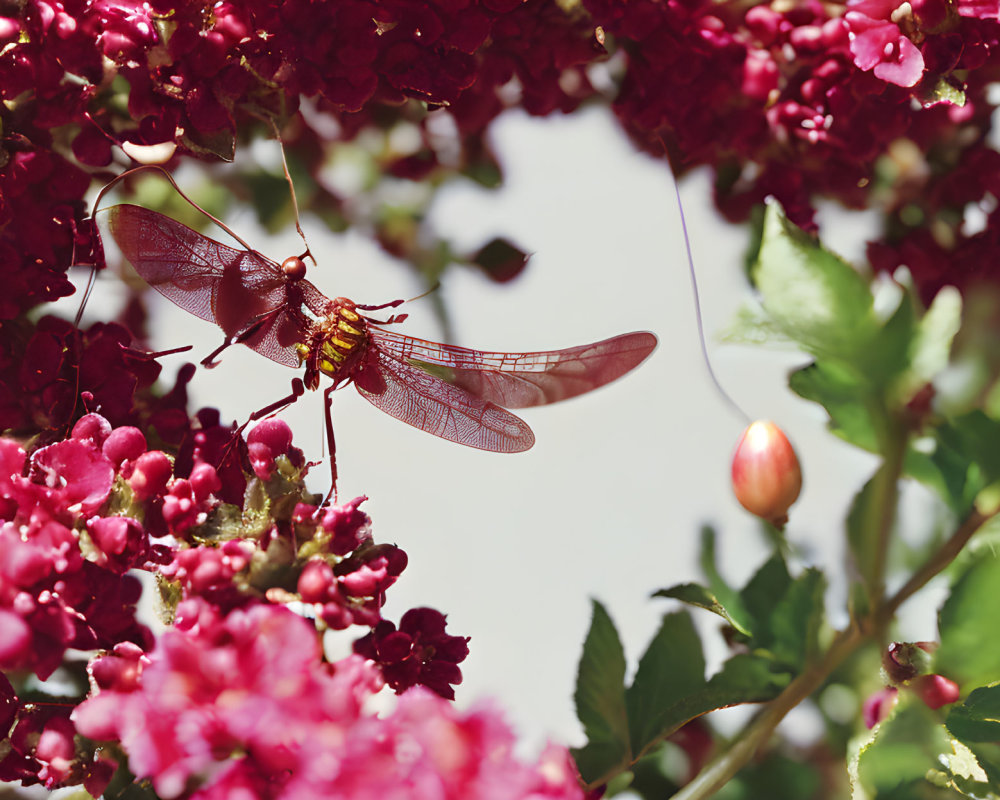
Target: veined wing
x=520, y=380
x=418, y=398
x=238, y=290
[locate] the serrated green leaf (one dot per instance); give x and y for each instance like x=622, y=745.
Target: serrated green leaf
x=726, y=595
x=696, y=595
x=841, y=392
x=902, y=749
x=671, y=672
x=966, y=655
x=762, y=594
x=797, y=620
x=978, y=718
x=814, y=296
x=746, y=678
x=600, y=699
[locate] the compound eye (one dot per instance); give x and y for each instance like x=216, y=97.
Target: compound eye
x=294, y=268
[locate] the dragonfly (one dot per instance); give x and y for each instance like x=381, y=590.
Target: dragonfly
x=456, y=393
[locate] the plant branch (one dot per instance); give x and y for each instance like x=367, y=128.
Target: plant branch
x=719, y=771
x=941, y=558
x=725, y=766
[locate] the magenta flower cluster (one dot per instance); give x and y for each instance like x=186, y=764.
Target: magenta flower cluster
x=243, y=705
x=81, y=515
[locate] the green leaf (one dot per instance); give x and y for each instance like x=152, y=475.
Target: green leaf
x=797, y=620
x=902, y=749
x=696, y=595
x=969, y=655
x=727, y=596
x=862, y=528
x=664, y=694
x=978, y=718
x=778, y=777
x=841, y=391
x=935, y=333
x=670, y=688
x=746, y=678
x=785, y=614
x=976, y=437
x=815, y=297
x=600, y=699
x=947, y=473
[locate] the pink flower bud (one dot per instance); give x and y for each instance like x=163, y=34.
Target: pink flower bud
x=274, y=433
x=92, y=427
x=879, y=705
x=205, y=481
x=150, y=474
x=315, y=582
x=124, y=444
x=261, y=459
x=765, y=473
x=935, y=690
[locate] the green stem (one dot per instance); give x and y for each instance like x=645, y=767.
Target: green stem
x=894, y=450
x=717, y=773
x=725, y=766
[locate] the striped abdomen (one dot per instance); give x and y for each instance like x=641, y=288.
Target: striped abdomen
x=337, y=344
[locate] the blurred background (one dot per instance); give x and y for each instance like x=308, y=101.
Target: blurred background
x=610, y=501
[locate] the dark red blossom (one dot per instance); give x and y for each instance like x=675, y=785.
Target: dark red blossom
x=420, y=652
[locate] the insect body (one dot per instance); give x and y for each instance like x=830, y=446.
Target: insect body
x=453, y=392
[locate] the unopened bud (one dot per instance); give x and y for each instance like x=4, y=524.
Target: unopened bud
x=766, y=475
x=935, y=690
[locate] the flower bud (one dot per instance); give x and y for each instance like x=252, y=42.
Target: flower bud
x=765, y=473
x=935, y=690
x=879, y=705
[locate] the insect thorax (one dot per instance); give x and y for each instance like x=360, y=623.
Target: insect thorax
x=337, y=343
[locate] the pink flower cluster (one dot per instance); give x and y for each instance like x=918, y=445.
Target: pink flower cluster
x=79, y=514
x=243, y=704
x=62, y=581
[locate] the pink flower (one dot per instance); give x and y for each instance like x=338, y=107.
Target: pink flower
x=244, y=702
x=880, y=46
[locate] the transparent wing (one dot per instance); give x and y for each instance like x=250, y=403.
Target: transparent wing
x=520, y=380
x=426, y=402
x=238, y=290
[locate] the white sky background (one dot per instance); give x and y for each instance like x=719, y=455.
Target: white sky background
x=610, y=500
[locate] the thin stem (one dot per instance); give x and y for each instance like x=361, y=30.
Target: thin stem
x=725, y=766
x=697, y=311
x=885, y=508
x=942, y=557
x=719, y=771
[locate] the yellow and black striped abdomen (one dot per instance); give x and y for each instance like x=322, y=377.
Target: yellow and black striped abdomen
x=337, y=344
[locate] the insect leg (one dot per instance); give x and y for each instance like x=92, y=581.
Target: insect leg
x=390, y=304
x=245, y=335
x=298, y=389
x=328, y=413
